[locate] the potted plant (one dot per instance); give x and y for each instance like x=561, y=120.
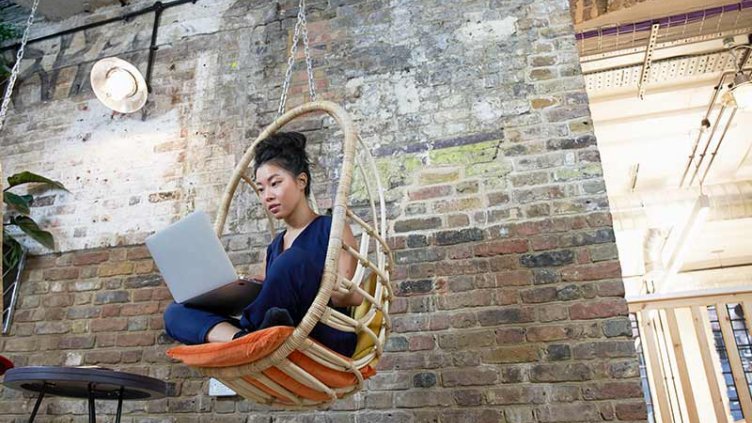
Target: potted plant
x=18, y=209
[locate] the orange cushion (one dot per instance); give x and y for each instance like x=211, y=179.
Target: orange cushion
x=258, y=345
x=246, y=349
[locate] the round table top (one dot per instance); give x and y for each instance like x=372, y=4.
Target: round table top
x=75, y=382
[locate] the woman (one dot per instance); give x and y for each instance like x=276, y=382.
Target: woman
x=294, y=259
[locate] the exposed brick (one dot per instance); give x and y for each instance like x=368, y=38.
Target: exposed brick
x=430, y=192
x=631, y=411
x=598, y=309
x=510, y=335
x=108, y=325
x=102, y=357
x=65, y=273
x=467, y=339
x=417, y=224
x=76, y=342
x=458, y=237
x=411, y=287
x=513, y=354
x=551, y=258
x=52, y=327
x=107, y=297
x=558, y=352
x=114, y=269
x=469, y=377
x=495, y=248
x=560, y=372
x=505, y=315
x=82, y=258
x=610, y=349
x=574, y=412
x=455, y=205
x=509, y=278
x=605, y=270
x=539, y=295
x=424, y=380
x=135, y=339
x=612, y=390
x=617, y=327
x=546, y=333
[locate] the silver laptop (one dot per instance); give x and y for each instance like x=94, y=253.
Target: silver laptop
x=196, y=268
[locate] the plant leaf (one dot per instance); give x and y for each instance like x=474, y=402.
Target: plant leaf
x=12, y=251
x=27, y=177
x=30, y=227
x=19, y=202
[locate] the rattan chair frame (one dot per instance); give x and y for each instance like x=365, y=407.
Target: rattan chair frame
x=235, y=377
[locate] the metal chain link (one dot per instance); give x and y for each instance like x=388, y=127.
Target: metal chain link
x=17, y=65
x=307, y=51
x=300, y=26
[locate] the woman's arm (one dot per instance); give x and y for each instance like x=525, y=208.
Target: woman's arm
x=347, y=264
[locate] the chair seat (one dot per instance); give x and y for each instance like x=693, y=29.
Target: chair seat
x=257, y=345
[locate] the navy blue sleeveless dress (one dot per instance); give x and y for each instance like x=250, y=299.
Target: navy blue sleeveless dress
x=292, y=281
x=293, y=277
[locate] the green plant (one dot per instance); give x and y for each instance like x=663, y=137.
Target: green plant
x=8, y=31
x=19, y=207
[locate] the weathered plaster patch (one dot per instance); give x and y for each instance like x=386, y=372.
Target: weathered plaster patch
x=488, y=31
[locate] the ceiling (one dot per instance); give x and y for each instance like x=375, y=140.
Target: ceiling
x=645, y=143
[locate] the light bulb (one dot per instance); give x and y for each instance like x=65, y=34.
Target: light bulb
x=120, y=84
x=741, y=91
x=743, y=96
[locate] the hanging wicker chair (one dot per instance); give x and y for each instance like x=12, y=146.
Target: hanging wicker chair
x=282, y=366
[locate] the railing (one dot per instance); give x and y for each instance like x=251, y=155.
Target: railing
x=695, y=346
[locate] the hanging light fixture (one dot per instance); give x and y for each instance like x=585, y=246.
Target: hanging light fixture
x=740, y=91
x=118, y=85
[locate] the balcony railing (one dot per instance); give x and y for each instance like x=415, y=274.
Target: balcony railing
x=695, y=354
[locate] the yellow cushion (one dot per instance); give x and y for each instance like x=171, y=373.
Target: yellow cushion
x=365, y=343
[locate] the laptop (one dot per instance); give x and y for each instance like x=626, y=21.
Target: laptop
x=196, y=268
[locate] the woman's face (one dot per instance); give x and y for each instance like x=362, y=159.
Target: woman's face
x=281, y=191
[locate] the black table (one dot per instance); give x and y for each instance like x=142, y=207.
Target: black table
x=82, y=382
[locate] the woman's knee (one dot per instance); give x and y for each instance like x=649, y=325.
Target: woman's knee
x=171, y=315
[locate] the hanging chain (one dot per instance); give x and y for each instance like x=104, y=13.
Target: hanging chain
x=301, y=27
x=17, y=65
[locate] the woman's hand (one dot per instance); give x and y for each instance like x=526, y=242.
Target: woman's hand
x=347, y=265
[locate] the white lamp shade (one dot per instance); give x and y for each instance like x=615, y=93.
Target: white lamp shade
x=118, y=85
x=743, y=95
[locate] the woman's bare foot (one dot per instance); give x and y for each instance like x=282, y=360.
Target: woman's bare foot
x=222, y=332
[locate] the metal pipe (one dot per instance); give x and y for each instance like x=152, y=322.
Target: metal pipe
x=14, y=295
x=153, y=46
x=717, y=147
x=119, y=405
x=707, y=144
x=705, y=124
x=92, y=406
x=39, y=401
x=158, y=6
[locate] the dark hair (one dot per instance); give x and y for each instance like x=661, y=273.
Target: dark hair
x=286, y=150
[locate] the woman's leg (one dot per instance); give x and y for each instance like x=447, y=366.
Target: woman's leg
x=291, y=283
x=190, y=325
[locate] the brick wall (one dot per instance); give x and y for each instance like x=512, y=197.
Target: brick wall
x=585, y=10
x=509, y=301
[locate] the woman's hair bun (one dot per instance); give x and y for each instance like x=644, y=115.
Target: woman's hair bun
x=295, y=139
x=287, y=150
